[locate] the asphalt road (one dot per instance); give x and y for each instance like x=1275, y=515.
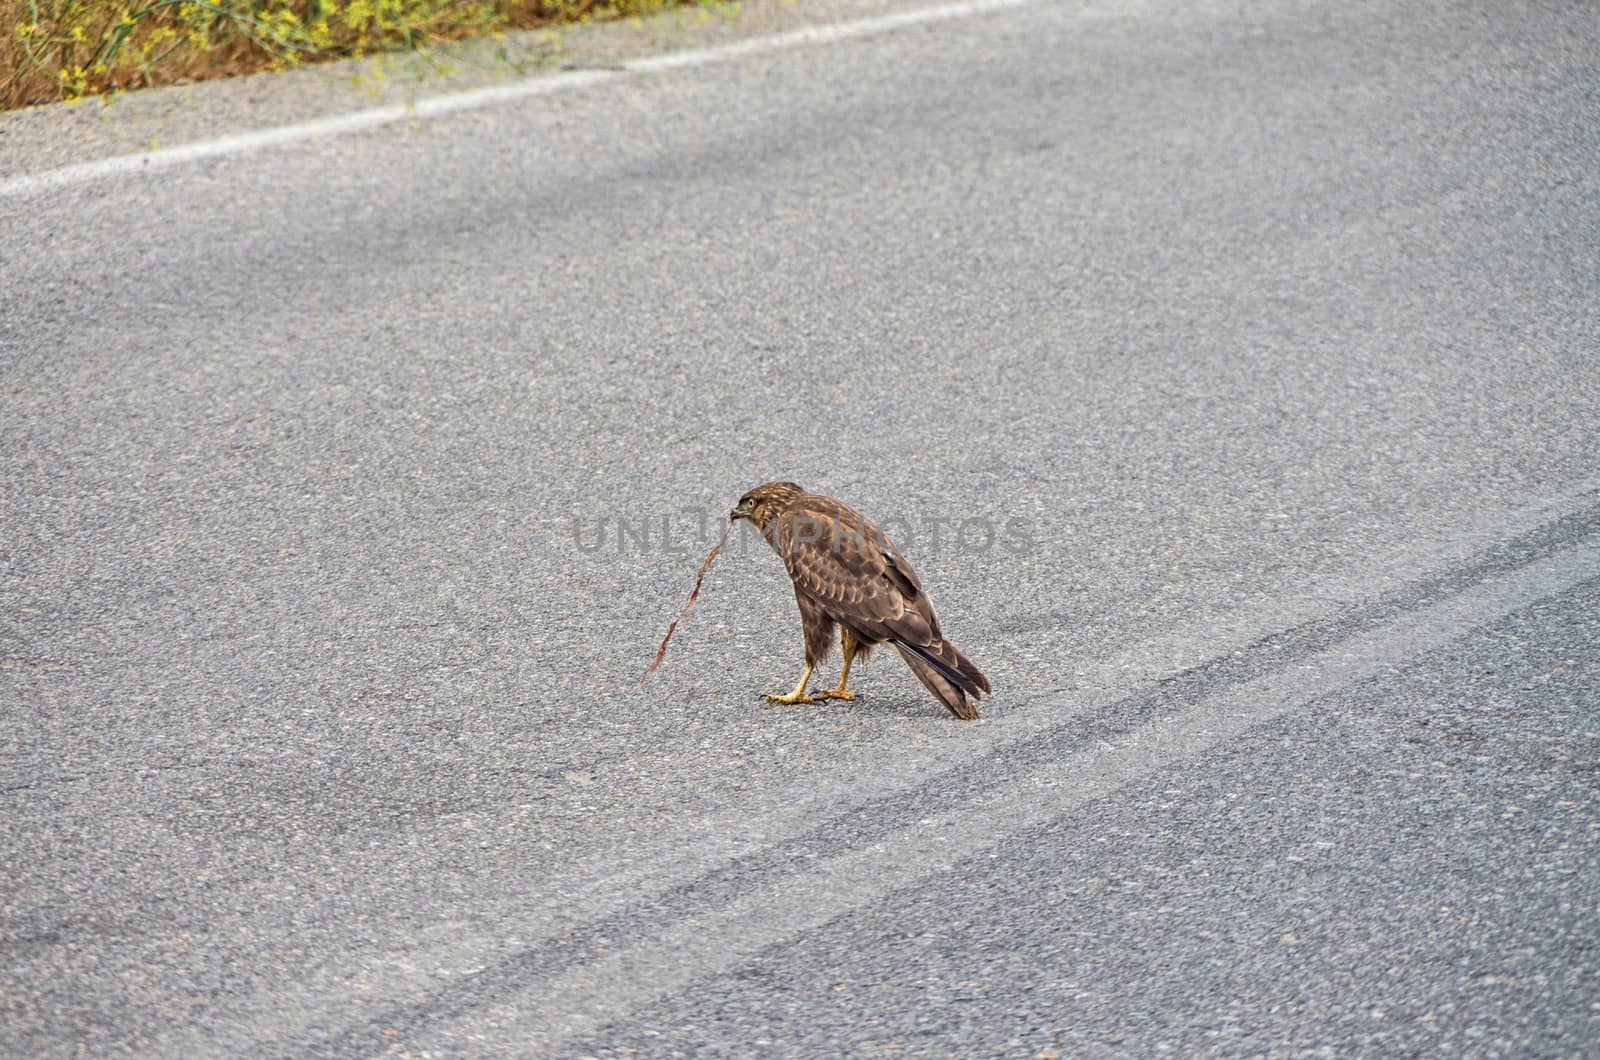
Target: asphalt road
x=1248, y=352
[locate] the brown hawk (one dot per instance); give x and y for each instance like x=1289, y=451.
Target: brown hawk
x=847, y=572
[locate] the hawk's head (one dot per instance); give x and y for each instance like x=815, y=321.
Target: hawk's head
x=764, y=503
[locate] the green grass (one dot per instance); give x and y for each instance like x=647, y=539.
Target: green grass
x=54, y=50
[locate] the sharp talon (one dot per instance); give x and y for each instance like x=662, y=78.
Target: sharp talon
x=789, y=699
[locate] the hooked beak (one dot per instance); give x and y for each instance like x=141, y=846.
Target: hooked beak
x=741, y=512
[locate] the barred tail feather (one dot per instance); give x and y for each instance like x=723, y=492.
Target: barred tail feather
x=948, y=674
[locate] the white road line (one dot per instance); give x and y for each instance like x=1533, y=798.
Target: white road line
x=434, y=106
x=577, y=1002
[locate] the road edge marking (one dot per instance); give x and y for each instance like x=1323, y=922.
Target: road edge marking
x=477, y=99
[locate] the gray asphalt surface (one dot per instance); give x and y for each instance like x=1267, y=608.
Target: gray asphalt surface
x=1274, y=328
x=1406, y=868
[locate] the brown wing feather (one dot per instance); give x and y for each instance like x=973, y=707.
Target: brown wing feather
x=836, y=557
x=934, y=679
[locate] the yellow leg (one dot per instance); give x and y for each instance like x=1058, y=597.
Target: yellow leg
x=847, y=646
x=798, y=695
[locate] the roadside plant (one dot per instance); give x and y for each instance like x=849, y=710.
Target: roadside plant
x=54, y=50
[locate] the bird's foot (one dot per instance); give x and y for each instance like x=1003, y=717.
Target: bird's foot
x=836, y=693
x=789, y=699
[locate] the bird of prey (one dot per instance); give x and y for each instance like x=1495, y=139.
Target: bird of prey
x=846, y=572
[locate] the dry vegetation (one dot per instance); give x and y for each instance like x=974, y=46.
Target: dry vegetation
x=67, y=49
